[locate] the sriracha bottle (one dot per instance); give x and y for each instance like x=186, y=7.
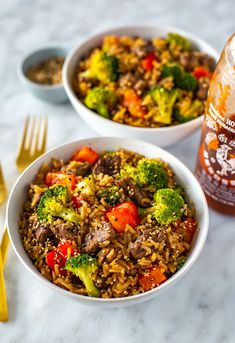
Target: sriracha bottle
x=215, y=167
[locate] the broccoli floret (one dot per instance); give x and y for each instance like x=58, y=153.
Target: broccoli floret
x=53, y=204
x=174, y=39
x=102, y=67
x=168, y=206
x=111, y=195
x=151, y=172
x=180, y=262
x=148, y=172
x=100, y=100
x=179, y=190
x=187, y=110
x=86, y=186
x=127, y=171
x=84, y=266
x=181, y=79
x=173, y=70
x=187, y=82
x=165, y=99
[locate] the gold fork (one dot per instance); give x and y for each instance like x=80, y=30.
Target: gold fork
x=3, y=191
x=32, y=145
x=3, y=303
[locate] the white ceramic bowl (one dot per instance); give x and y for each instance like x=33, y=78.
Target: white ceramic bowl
x=193, y=189
x=160, y=136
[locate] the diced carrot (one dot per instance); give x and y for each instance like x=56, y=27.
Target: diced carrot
x=186, y=229
x=133, y=103
x=86, y=154
x=152, y=278
x=191, y=226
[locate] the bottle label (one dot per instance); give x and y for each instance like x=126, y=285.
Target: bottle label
x=217, y=157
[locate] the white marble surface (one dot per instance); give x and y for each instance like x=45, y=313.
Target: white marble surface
x=200, y=308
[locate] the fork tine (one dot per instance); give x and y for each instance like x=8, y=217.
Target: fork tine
x=31, y=136
x=35, y=135
x=39, y=133
x=43, y=134
x=33, y=143
x=24, y=136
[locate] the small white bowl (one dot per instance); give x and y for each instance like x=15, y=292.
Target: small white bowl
x=192, y=187
x=161, y=136
x=49, y=93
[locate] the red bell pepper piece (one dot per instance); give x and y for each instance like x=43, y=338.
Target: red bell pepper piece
x=66, y=249
x=55, y=257
x=200, y=71
x=86, y=154
x=133, y=103
x=60, y=255
x=60, y=178
x=77, y=200
x=147, y=62
x=152, y=278
x=123, y=214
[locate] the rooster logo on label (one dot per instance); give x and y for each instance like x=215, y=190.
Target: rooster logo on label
x=225, y=161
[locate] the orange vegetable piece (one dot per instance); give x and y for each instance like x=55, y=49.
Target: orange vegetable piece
x=123, y=214
x=133, y=103
x=86, y=154
x=191, y=228
x=200, y=71
x=60, y=178
x=152, y=278
x=147, y=62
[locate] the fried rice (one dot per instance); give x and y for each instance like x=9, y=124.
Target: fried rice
x=137, y=68
x=122, y=257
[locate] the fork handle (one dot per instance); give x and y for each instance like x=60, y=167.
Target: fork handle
x=3, y=298
x=4, y=245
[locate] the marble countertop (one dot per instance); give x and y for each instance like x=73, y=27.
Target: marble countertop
x=200, y=308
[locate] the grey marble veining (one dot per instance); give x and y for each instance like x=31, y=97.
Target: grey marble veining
x=200, y=308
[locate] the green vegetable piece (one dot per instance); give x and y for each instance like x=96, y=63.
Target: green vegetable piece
x=100, y=100
x=102, y=67
x=168, y=206
x=179, y=190
x=180, y=262
x=128, y=171
x=182, y=80
x=111, y=195
x=53, y=204
x=86, y=186
x=141, y=211
x=187, y=110
x=151, y=172
x=174, y=39
x=165, y=99
x=187, y=82
x=84, y=266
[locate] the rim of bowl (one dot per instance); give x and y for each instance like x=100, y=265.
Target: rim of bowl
x=21, y=73
x=200, y=242
x=72, y=97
